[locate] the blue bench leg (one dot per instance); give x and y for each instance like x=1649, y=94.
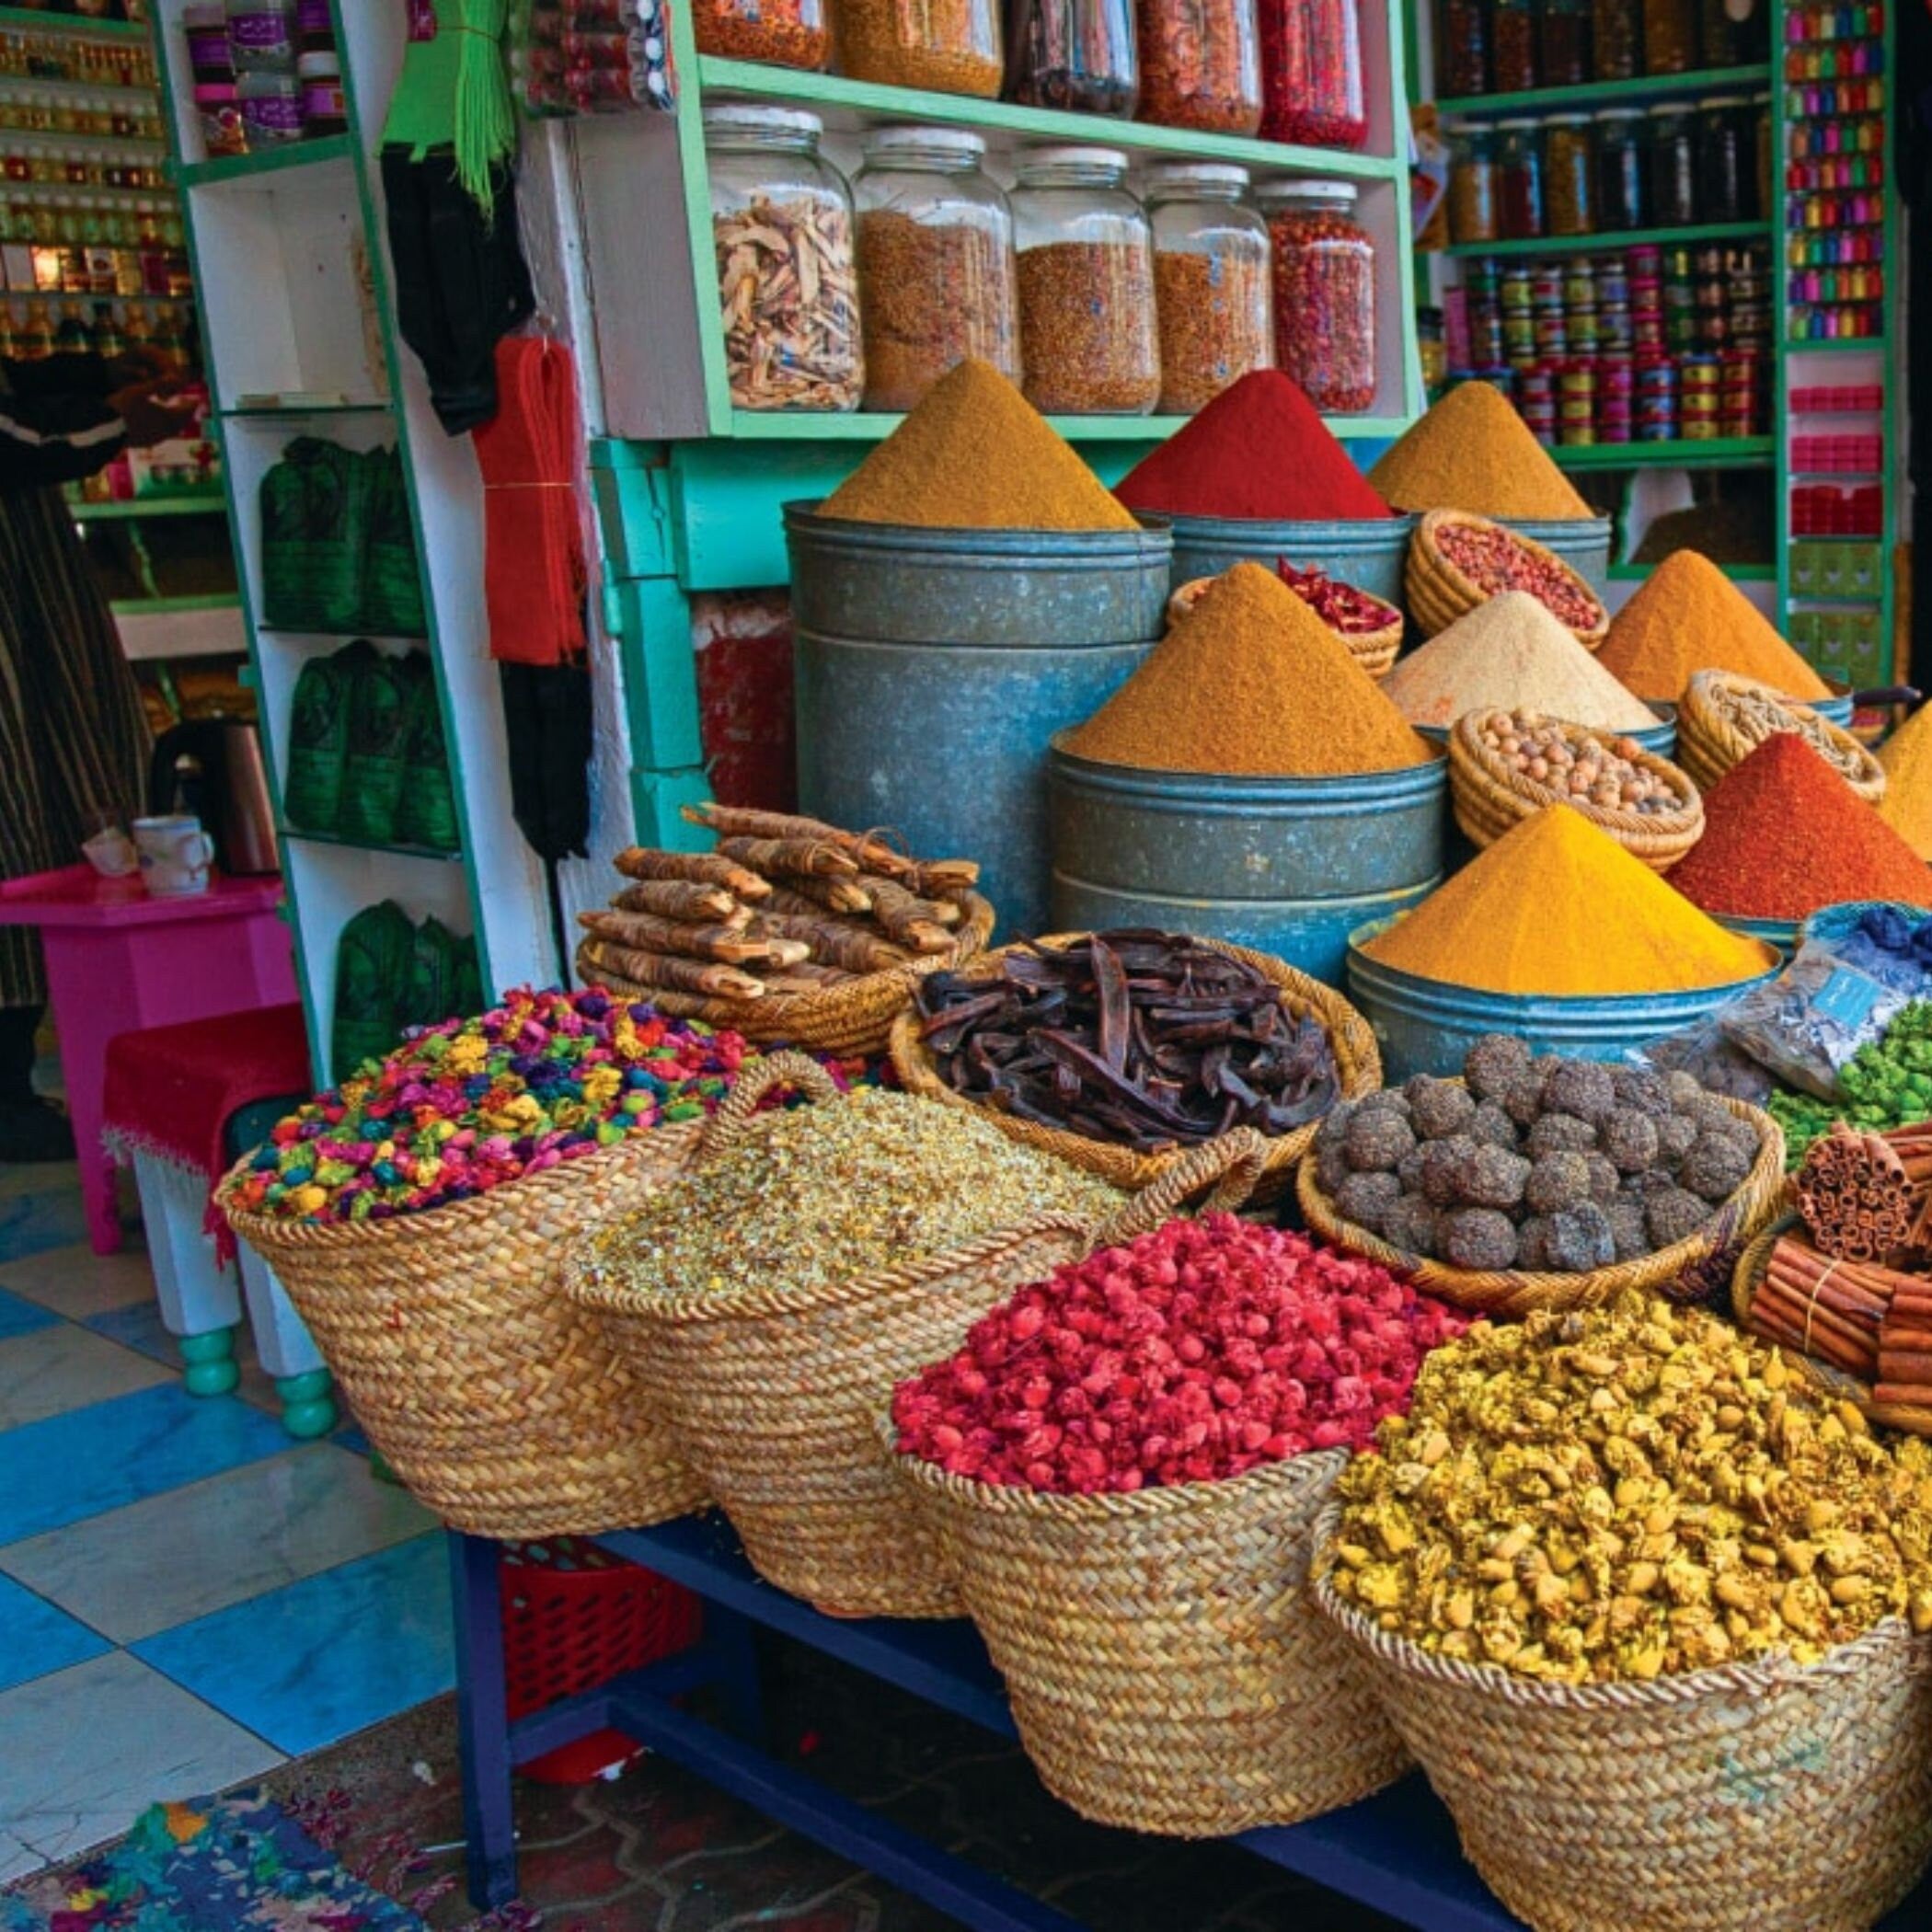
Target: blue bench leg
x=483, y=1721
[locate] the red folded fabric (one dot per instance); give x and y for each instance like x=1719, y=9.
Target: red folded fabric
x=533, y=574
x=170, y=1092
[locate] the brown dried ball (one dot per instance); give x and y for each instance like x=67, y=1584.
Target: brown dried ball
x=1580, y=1239
x=1490, y=1125
x=1388, y=1099
x=1560, y=1133
x=1409, y=1171
x=1675, y=1134
x=1628, y=1229
x=1522, y=1099
x=1673, y=1214
x=1717, y=1165
x=1640, y=1090
x=1684, y=1088
x=1331, y=1166
x=1533, y=1244
x=1711, y=1113
x=1494, y=1178
x=1366, y=1199
x=1629, y=1139
x=1604, y=1180
x=1479, y=1238
x=1410, y=1226
x=1557, y=1181
x=1443, y=1165
x=1438, y=1108
x=1377, y=1139
x=1582, y=1088
x=1493, y=1064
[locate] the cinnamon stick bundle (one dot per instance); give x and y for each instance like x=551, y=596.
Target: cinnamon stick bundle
x=866, y=849
x=732, y=945
x=646, y=862
x=790, y=857
x=672, y=974
x=921, y=924
x=1854, y=1196
x=685, y=900
x=832, y=942
x=810, y=897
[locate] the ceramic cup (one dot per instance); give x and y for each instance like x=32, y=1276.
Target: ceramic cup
x=174, y=855
x=108, y=848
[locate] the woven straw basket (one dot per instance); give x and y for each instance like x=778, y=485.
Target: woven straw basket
x=1761, y=1797
x=1374, y=650
x=1490, y=798
x=1168, y=1670
x=1439, y=593
x=499, y=1405
x=772, y=1392
x=1358, y=1066
x=1678, y=1271
x=1913, y=1419
x=851, y=1019
x=1711, y=737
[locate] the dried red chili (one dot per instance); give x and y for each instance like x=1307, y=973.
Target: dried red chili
x=1494, y=562
x=1324, y=293
x=1311, y=72
x=1343, y=608
x=1201, y=65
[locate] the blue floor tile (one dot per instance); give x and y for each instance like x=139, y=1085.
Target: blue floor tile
x=138, y=1327
x=36, y=1639
x=30, y=1223
x=22, y=1317
x=330, y=1655
x=96, y=1458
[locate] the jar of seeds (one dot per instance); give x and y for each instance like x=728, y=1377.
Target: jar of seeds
x=781, y=224
x=1089, y=340
x=945, y=46
x=1209, y=281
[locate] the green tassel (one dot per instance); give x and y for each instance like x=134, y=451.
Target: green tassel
x=486, y=121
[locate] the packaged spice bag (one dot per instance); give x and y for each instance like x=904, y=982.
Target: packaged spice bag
x=1805, y=1025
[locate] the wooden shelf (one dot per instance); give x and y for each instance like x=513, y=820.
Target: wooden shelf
x=275, y=161
x=1611, y=244
x=1640, y=92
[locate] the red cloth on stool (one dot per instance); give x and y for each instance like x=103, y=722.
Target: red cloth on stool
x=171, y=1090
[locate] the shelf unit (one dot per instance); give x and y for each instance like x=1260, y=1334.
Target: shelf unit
x=290, y=249
x=1611, y=244
x=1639, y=92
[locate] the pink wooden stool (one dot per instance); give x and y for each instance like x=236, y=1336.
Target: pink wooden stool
x=118, y=958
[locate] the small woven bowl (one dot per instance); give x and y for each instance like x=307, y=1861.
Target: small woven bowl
x=1374, y=650
x=1712, y=738
x=1436, y=585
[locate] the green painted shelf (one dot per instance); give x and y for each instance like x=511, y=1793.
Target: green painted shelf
x=1737, y=573
x=47, y=19
x=1635, y=93
x=860, y=426
x=142, y=508
x=1855, y=345
x=166, y=606
x=276, y=161
x=868, y=99
x=1709, y=455
x=296, y=411
x=434, y=853
x=1609, y=243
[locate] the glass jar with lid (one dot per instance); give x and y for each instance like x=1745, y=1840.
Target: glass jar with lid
x=1670, y=35
x=1616, y=40
x=1762, y=150
x=1673, y=166
x=1512, y=46
x=944, y=46
x=789, y=34
x=1088, y=339
x=1727, y=160
x=1622, y=195
x=936, y=282
x=1563, y=42
x=782, y=232
x=1462, y=48
x=1078, y=55
x=1201, y=65
x=1324, y=292
x=1734, y=33
x=1568, y=175
x=1520, y=178
x=1209, y=281
x=1475, y=210
x=1311, y=72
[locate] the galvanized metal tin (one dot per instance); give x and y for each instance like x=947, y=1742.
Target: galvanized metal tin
x=1582, y=542
x=1279, y=864
x=1837, y=708
x=1781, y=933
x=945, y=744
x=1428, y=1025
x=1367, y=552
x=1016, y=589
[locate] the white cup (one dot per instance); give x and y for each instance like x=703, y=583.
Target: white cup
x=111, y=853
x=174, y=855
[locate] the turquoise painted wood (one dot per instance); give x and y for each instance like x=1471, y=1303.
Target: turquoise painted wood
x=649, y=618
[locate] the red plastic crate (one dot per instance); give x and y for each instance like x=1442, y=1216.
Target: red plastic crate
x=1835, y=401
x=575, y=1617
x=1825, y=456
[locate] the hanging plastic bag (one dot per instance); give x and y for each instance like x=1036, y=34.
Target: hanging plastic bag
x=434, y=990
x=373, y=772
x=313, y=506
x=426, y=811
x=318, y=737
x=373, y=967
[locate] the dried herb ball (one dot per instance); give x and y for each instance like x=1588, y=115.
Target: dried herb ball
x=1557, y=1181
x=1331, y=1164
x=1410, y=1226
x=1377, y=1139
x=1673, y=1215
x=1716, y=1165
x=1479, y=1238
x=1409, y=1171
x=1489, y=1124
x=1389, y=1099
x=1675, y=1134
x=1443, y=1165
x=1579, y=1239
x=1629, y=1139
x=1582, y=1088
x=1439, y=1107
x=1628, y=1229
x=1494, y=1178
x=1605, y=1179
x=1709, y=1112
x=1492, y=1065
x=1522, y=1099
x=1640, y=1187
x=1684, y=1090
x=1533, y=1244
x=1366, y=1199
x=1640, y=1090
x=1560, y=1133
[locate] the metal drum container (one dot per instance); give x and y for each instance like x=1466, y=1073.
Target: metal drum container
x=1288, y=865
x=933, y=666
x=1781, y=933
x=1428, y=1025
x=1836, y=709
x=1367, y=552
x=1582, y=542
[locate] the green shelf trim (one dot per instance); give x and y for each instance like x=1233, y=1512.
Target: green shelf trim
x=275, y=161
x=144, y=508
x=1737, y=573
x=166, y=606
x=913, y=104
x=1611, y=244
x=1862, y=345
x=394, y=847
x=859, y=426
x=296, y=412
x=1710, y=454
x=75, y=26
x=1611, y=94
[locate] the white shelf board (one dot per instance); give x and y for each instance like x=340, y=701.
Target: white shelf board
x=147, y=636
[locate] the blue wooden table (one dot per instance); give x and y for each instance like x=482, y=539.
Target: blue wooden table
x=1396, y=1851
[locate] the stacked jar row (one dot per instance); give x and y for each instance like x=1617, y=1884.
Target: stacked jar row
x=1615, y=172
x=1835, y=205
x=1511, y=46
x=1289, y=70
x=1096, y=301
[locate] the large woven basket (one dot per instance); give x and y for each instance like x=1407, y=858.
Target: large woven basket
x=1490, y=798
x=850, y=1018
x=1680, y=1271
x=1374, y=650
x=1167, y=1668
x=1761, y=1796
x=1439, y=593
x=1358, y=1066
x=1711, y=737
x=771, y=1393
x=1915, y=1419
x=500, y=1405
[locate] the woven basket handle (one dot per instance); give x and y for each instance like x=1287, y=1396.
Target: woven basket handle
x=726, y=1127
x=1234, y=1159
